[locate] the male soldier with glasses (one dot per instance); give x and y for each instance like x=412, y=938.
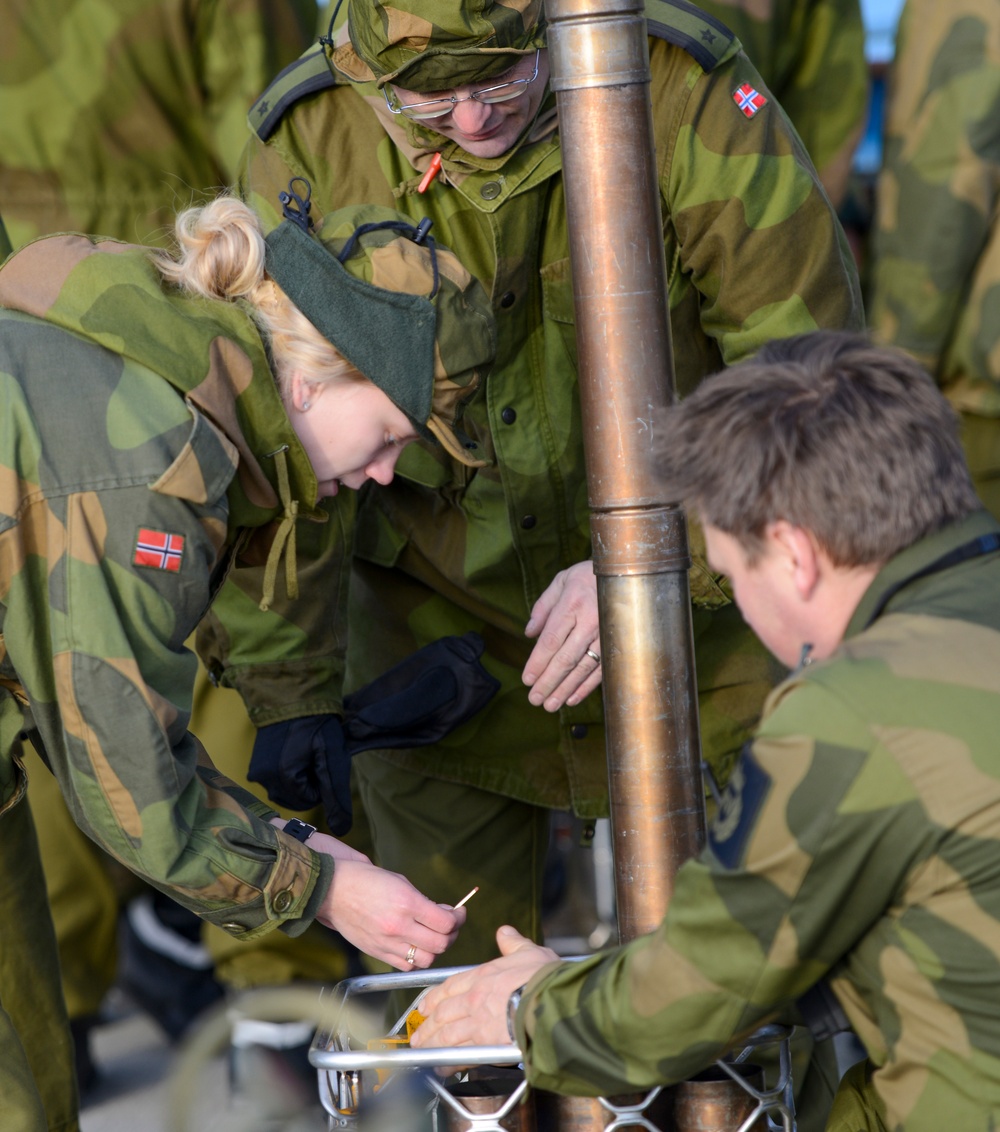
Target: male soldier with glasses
x=753, y=252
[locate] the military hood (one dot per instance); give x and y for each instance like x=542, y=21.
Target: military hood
x=210, y=352
x=110, y=293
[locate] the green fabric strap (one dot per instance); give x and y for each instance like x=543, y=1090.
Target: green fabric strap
x=284, y=538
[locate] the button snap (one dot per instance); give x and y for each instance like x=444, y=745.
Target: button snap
x=528, y=522
x=508, y=415
x=508, y=300
x=578, y=731
x=283, y=900
x=490, y=191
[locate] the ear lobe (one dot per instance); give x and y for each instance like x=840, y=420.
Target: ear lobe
x=303, y=392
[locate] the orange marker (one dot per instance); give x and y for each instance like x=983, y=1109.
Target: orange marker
x=432, y=171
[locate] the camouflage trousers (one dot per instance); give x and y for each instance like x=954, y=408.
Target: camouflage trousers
x=37, y=1075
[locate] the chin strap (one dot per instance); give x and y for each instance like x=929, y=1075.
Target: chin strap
x=284, y=538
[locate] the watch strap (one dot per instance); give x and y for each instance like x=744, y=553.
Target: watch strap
x=300, y=830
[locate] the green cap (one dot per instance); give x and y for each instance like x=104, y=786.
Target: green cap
x=429, y=45
x=406, y=314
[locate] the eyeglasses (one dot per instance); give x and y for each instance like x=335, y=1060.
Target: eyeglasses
x=438, y=107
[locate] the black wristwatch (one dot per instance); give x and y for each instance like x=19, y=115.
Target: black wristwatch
x=300, y=830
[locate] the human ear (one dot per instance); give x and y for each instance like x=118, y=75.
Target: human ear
x=302, y=392
x=798, y=554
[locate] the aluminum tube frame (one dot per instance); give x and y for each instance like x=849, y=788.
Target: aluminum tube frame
x=599, y=60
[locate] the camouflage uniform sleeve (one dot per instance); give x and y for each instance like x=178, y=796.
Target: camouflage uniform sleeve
x=940, y=184
x=95, y=628
x=237, y=641
x=243, y=44
x=797, y=870
x=739, y=190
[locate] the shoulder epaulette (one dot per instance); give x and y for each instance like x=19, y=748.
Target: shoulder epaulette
x=308, y=74
x=707, y=40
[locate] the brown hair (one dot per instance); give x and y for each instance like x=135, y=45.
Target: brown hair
x=848, y=440
x=221, y=256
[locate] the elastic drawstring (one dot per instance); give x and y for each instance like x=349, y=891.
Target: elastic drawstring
x=284, y=538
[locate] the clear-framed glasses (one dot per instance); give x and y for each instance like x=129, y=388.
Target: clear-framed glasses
x=438, y=107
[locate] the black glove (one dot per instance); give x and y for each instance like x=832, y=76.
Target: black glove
x=303, y=762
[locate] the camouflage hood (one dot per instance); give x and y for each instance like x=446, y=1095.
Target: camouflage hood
x=211, y=352
x=437, y=44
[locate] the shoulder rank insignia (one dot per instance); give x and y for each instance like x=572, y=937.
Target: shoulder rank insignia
x=748, y=99
x=158, y=550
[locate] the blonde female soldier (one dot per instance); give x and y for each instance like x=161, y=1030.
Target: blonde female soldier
x=169, y=421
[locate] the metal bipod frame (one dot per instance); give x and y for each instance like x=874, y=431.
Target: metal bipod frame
x=357, y=1071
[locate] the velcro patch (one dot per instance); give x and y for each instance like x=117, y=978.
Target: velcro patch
x=158, y=550
x=748, y=99
x=742, y=800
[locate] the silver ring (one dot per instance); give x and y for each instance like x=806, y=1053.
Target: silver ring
x=593, y=655
x=411, y=954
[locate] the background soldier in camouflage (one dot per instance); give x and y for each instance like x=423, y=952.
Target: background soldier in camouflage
x=753, y=252
x=811, y=54
x=936, y=273
x=859, y=841
x=116, y=117
x=176, y=457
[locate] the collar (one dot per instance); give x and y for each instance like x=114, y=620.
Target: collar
x=887, y=590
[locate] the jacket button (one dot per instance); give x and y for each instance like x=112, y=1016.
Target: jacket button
x=283, y=900
x=509, y=415
x=528, y=522
x=508, y=300
x=578, y=731
x=234, y=927
x=490, y=191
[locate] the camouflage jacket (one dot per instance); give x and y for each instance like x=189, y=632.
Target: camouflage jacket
x=141, y=438
x=114, y=116
x=859, y=840
x=811, y=53
x=753, y=252
x=936, y=269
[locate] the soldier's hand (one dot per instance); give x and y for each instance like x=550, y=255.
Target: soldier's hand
x=385, y=916
x=471, y=1008
x=560, y=669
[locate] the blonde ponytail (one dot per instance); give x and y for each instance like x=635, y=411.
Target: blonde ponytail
x=221, y=256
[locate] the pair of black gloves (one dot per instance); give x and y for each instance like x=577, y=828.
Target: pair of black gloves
x=303, y=763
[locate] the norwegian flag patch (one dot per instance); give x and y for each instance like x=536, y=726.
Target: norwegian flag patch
x=158, y=550
x=748, y=99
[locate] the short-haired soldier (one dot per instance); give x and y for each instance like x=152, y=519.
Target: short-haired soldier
x=858, y=845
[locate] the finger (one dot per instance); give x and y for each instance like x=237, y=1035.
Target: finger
x=542, y=608
x=579, y=694
x=553, y=659
x=509, y=940
x=440, y=918
x=569, y=670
